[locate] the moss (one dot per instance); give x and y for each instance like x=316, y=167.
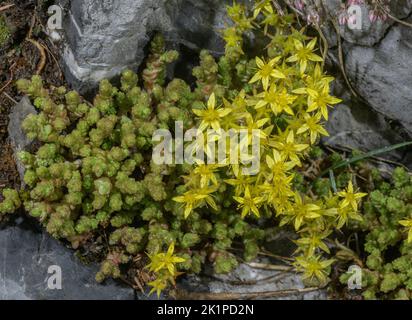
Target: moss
x=5, y=32
x=388, y=247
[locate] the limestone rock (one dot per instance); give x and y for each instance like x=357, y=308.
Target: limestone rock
x=26, y=254
x=17, y=137
x=105, y=37
x=377, y=62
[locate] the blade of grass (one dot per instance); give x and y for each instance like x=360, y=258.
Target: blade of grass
x=333, y=181
x=367, y=155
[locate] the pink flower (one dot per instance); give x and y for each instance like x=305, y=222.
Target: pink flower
x=355, y=2
x=378, y=14
x=343, y=18
x=373, y=16
x=383, y=16
x=299, y=4
x=313, y=18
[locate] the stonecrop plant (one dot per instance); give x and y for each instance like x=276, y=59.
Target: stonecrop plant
x=285, y=97
x=93, y=179
x=388, y=226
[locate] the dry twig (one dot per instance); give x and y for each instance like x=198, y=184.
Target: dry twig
x=6, y=7
x=55, y=59
x=39, y=47
x=10, y=98
x=11, y=78
x=184, y=295
x=275, y=256
x=42, y=52
x=325, y=44
x=266, y=266
x=407, y=24
x=341, y=60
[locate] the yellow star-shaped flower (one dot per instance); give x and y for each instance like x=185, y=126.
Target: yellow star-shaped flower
x=211, y=116
x=249, y=204
x=350, y=197
x=266, y=72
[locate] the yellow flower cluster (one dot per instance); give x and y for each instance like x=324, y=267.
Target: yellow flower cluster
x=163, y=264
x=287, y=102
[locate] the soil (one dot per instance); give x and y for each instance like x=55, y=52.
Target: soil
x=20, y=58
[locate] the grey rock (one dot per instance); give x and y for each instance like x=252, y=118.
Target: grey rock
x=383, y=74
x=26, y=256
x=369, y=33
x=354, y=125
x=18, y=139
x=105, y=37
x=377, y=62
x=247, y=281
x=348, y=131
